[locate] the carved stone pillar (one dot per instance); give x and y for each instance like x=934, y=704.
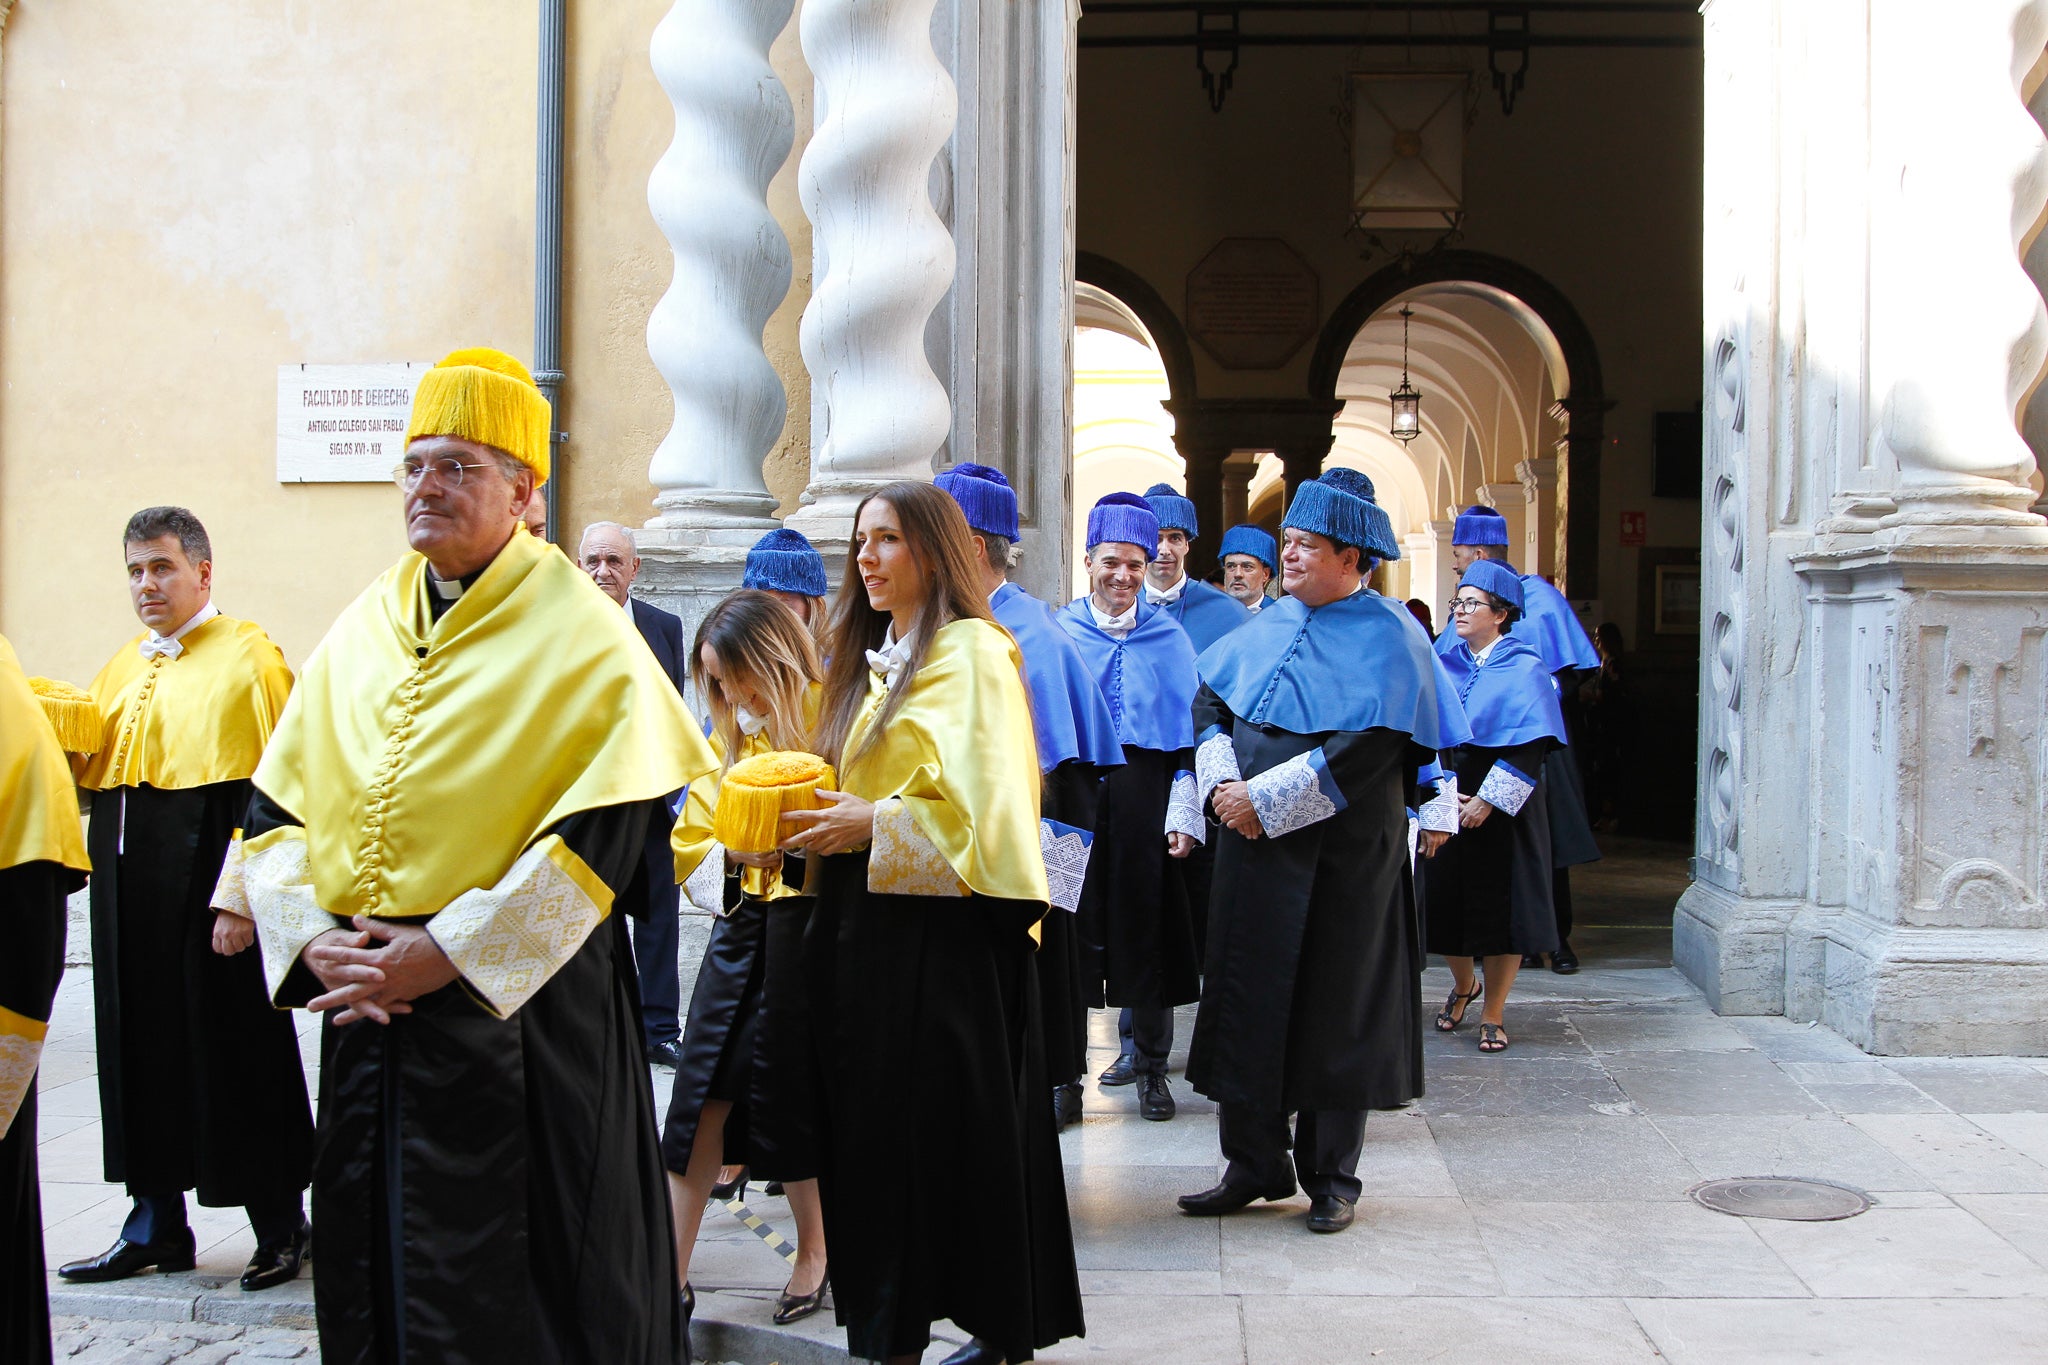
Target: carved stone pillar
x=1508, y=499
x=1539, y=516
x=709, y=194
x=1237, y=483
x=884, y=258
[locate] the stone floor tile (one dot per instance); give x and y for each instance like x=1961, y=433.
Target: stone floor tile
x=1821, y=1146
x=1912, y=1199
x=77, y=1156
x=2021, y=1219
x=67, y=1199
x=1954, y=1154
x=1788, y=1040
x=1894, y=1097
x=1443, y=1331
x=1708, y=1083
x=50, y=1127
x=1863, y=1071
x=1781, y=1331
x=1401, y=1158
x=1145, y=1283
x=1903, y=1253
x=1397, y=1246
x=1139, y=1331
x=1125, y=1218
x=1971, y=1085
x=2026, y=1134
x=1103, y=1140
x=1657, y=1250
x=1586, y=1158
x=1522, y=1088
x=63, y=1066
x=79, y=1098
x=1657, y=1029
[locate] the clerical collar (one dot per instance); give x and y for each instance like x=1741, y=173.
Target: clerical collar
x=442, y=592
x=1166, y=597
x=169, y=645
x=1113, y=625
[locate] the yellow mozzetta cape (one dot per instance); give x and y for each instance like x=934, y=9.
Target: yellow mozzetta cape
x=961, y=758
x=423, y=757
x=692, y=840
x=198, y=719
x=39, y=816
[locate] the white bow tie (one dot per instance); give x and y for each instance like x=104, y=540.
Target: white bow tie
x=1168, y=597
x=161, y=644
x=890, y=661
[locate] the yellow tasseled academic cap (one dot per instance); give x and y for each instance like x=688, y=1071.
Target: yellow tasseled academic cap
x=755, y=793
x=484, y=395
x=73, y=714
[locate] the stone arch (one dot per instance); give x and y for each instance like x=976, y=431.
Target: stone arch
x=1168, y=336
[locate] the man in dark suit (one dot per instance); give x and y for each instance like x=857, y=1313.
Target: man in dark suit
x=607, y=555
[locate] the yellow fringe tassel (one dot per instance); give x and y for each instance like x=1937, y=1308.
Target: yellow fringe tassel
x=73, y=714
x=757, y=791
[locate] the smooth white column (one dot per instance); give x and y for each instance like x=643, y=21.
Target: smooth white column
x=886, y=106
x=709, y=193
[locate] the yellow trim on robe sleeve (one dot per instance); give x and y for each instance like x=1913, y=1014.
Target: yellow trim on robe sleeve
x=902, y=861
x=39, y=811
x=21, y=1052
x=230, y=889
x=508, y=941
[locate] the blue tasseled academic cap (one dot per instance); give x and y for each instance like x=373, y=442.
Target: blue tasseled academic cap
x=1250, y=540
x=1491, y=575
x=985, y=497
x=1480, y=526
x=1175, y=512
x=1126, y=519
x=1339, y=505
x=783, y=561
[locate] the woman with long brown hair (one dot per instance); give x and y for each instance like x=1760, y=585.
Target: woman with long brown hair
x=930, y=884
x=745, y=1087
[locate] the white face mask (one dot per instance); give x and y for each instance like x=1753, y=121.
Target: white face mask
x=749, y=723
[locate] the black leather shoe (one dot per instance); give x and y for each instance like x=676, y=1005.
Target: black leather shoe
x=669, y=1055
x=1531, y=961
x=1229, y=1198
x=278, y=1264
x=1564, y=961
x=125, y=1258
x=796, y=1307
x=1329, y=1213
x=1155, y=1099
x=1066, y=1105
x=735, y=1188
x=975, y=1352
x=1118, y=1072
x=687, y=1300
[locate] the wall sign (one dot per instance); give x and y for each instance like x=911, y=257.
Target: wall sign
x=343, y=423
x=1252, y=303
x=1635, y=529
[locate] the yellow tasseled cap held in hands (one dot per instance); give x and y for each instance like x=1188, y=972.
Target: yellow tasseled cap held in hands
x=758, y=790
x=73, y=714
x=484, y=395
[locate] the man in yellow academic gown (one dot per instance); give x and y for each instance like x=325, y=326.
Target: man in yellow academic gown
x=454, y=806
x=200, y=1081
x=42, y=860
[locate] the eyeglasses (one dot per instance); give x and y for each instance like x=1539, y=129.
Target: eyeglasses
x=447, y=469
x=1464, y=606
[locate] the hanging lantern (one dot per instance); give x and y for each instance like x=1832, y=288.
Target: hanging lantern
x=1405, y=401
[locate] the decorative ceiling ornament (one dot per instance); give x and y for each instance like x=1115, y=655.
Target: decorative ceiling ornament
x=1408, y=148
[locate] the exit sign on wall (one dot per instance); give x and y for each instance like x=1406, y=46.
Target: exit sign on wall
x=1635, y=529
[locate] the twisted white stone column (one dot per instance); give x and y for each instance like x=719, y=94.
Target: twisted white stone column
x=884, y=259
x=1961, y=329
x=709, y=193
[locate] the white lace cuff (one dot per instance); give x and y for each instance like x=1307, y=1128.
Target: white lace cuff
x=1184, y=809
x=1065, y=850
x=21, y=1052
x=1506, y=788
x=1439, y=814
x=1294, y=794
x=1215, y=764
x=277, y=882
x=704, y=888
x=507, y=940
x=231, y=891
x=902, y=861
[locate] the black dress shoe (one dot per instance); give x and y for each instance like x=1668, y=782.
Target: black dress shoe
x=975, y=1352
x=1531, y=961
x=277, y=1264
x=796, y=1307
x=1118, y=1072
x=669, y=1055
x=125, y=1258
x=1564, y=961
x=1066, y=1105
x=731, y=1189
x=1155, y=1100
x=1229, y=1198
x=1330, y=1213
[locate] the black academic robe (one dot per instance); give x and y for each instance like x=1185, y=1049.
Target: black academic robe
x=201, y=1086
x=1487, y=892
x=1137, y=929
x=935, y=1108
x=1069, y=796
x=32, y=909
x=1311, y=994
x=491, y=1190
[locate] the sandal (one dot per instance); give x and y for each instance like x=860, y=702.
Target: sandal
x=1448, y=1023
x=1492, y=1038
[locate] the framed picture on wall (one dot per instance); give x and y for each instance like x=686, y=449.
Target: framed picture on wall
x=1677, y=599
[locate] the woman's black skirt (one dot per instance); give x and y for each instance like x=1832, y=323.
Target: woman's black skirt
x=935, y=1103
x=747, y=1041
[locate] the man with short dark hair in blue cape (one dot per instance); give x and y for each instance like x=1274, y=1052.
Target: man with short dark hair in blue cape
x=1135, y=918
x=1077, y=744
x=1552, y=629
x=1312, y=722
x=1205, y=612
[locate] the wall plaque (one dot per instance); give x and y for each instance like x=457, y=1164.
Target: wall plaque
x=1252, y=302
x=343, y=423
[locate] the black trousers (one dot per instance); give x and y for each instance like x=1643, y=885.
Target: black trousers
x=655, y=937
x=1147, y=1036
x=1561, y=901
x=1325, y=1143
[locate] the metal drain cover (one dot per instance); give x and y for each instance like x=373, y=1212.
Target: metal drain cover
x=1793, y=1199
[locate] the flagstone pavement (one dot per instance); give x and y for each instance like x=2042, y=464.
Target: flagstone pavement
x=1533, y=1206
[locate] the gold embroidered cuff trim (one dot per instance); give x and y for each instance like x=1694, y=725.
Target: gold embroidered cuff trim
x=277, y=882
x=704, y=888
x=903, y=862
x=21, y=1051
x=507, y=940
x=231, y=892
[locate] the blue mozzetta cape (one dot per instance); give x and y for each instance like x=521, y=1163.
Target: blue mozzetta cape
x=1551, y=628
x=1148, y=678
x=1067, y=708
x=1207, y=614
x=1359, y=663
x=1509, y=699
